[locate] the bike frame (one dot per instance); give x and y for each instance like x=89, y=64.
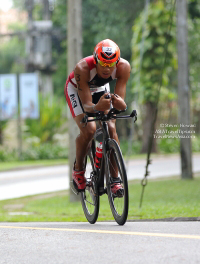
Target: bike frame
x=106, y=137
x=100, y=173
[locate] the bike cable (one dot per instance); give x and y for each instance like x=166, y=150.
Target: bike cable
x=150, y=141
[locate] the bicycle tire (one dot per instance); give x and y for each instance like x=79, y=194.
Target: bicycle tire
x=120, y=215
x=89, y=201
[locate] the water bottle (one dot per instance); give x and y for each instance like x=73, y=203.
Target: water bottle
x=98, y=156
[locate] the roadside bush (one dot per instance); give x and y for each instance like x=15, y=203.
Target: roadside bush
x=169, y=145
x=41, y=152
x=136, y=147
x=196, y=144
x=51, y=119
x=45, y=151
x=165, y=146
x=3, y=155
x=172, y=145
x=6, y=155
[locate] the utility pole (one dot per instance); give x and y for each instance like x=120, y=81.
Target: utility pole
x=46, y=11
x=183, y=89
x=74, y=39
x=29, y=4
x=39, y=47
x=46, y=42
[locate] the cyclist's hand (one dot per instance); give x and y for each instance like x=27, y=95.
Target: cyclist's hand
x=103, y=103
x=118, y=102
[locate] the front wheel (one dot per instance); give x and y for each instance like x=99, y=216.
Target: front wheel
x=90, y=198
x=114, y=166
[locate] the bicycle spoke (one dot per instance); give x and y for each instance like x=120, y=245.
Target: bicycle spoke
x=118, y=200
x=89, y=198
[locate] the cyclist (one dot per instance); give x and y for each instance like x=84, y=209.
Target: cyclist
x=85, y=91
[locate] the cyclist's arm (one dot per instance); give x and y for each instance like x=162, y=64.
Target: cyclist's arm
x=81, y=74
x=123, y=74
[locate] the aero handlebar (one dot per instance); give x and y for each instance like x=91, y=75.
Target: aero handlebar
x=112, y=114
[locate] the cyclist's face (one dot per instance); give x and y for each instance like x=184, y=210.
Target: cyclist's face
x=104, y=72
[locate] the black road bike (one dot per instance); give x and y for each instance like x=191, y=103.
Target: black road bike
x=95, y=183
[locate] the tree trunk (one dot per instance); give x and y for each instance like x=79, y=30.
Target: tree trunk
x=183, y=89
x=74, y=55
x=150, y=109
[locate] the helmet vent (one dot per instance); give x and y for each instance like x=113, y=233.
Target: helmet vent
x=108, y=54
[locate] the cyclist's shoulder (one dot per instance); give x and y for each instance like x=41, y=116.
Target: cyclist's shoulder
x=123, y=65
x=123, y=68
x=85, y=65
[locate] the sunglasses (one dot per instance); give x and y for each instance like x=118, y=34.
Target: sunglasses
x=104, y=64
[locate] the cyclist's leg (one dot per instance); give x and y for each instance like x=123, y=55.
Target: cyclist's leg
x=87, y=132
x=83, y=140
x=116, y=187
x=113, y=134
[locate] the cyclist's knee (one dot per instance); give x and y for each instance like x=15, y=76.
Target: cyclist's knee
x=112, y=129
x=89, y=131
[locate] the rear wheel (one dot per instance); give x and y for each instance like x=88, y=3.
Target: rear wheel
x=115, y=165
x=90, y=198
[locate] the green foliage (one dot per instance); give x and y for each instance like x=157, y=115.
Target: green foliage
x=6, y=155
x=38, y=11
x=14, y=165
x=136, y=147
x=147, y=73
x=59, y=17
x=59, y=47
x=41, y=152
x=11, y=56
x=44, y=152
x=169, y=145
x=109, y=19
x=3, y=124
x=164, y=145
x=51, y=119
x=196, y=144
x=59, y=77
x=194, y=55
x=172, y=145
x=20, y=5
x=17, y=27
x=12, y=52
x=194, y=9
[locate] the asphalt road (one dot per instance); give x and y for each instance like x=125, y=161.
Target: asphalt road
x=136, y=242
x=43, y=180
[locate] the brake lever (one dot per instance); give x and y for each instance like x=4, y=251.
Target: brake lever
x=108, y=96
x=134, y=114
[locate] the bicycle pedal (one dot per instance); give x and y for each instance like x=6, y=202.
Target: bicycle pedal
x=74, y=189
x=92, y=191
x=102, y=191
x=118, y=194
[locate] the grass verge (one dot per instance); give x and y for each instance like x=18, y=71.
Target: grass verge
x=162, y=199
x=12, y=165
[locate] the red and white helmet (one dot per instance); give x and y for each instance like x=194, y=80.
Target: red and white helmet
x=106, y=53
